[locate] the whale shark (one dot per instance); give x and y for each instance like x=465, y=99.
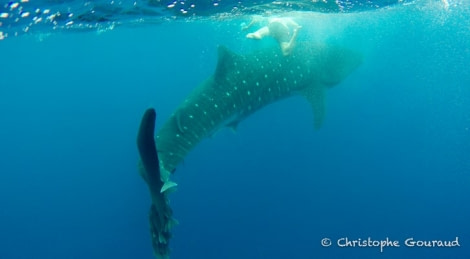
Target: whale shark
x=240, y=86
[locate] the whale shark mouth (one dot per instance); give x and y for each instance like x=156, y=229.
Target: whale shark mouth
x=240, y=86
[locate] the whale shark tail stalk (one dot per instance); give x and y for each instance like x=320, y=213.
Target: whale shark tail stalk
x=160, y=215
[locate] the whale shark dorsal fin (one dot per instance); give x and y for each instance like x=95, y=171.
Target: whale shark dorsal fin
x=226, y=61
x=315, y=95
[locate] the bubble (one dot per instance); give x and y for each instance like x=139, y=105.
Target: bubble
x=14, y=5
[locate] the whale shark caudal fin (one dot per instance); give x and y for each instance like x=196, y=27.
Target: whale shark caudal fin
x=160, y=215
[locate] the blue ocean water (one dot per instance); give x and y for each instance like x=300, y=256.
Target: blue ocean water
x=392, y=159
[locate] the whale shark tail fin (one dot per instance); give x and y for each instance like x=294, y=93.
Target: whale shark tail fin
x=160, y=215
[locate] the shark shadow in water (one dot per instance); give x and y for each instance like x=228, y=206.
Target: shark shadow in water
x=241, y=85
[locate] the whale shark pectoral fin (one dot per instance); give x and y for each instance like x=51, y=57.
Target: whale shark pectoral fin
x=315, y=95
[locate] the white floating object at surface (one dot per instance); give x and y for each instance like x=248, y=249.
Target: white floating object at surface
x=50, y=17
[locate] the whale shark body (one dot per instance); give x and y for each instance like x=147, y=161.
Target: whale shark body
x=241, y=85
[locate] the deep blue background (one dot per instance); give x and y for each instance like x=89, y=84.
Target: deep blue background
x=392, y=159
